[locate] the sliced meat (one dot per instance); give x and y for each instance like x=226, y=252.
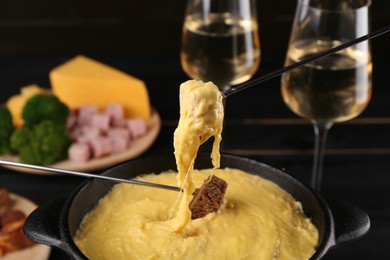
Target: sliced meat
x=5, y=201
x=2, y=251
x=12, y=226
x=14, y=241
x=11, y=216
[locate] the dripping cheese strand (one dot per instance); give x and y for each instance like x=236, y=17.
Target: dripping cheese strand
x=201, y=117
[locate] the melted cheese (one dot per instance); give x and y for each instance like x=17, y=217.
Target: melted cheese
x=258, y=221
x=201, y=117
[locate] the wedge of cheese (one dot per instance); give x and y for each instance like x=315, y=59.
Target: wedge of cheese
x=83, y=81
x=16, y=103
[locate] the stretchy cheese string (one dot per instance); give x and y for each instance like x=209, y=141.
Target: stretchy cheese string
x=179, y=195
x=175, y=204
x=201, y=117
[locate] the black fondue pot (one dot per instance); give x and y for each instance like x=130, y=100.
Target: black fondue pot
x=55, y=223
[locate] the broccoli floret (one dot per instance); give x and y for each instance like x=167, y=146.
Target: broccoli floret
x=20, y=138
x=44, y=143
x=41, y=107
x=6, y=130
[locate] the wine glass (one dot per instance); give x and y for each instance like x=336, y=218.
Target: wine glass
x=220, y=41
x=335, y=88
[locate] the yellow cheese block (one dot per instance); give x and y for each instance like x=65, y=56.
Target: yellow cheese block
x=83, y=81
x=16, y=103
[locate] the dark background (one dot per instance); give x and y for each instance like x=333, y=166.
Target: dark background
x=143, y=39
x=136, y=31
x=135, y=28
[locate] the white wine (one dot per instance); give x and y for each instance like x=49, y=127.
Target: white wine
x=219, y=50
x=335, y=88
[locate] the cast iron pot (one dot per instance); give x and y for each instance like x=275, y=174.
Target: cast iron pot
x=55, y=223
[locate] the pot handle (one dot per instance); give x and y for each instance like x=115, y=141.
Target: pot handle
x=350, y=221
x=42, y=225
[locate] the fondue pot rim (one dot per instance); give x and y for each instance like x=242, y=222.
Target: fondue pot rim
x=51, y=223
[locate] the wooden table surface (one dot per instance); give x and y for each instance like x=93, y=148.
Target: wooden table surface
x=258, y=125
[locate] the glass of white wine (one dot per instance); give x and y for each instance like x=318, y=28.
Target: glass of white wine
x=337, y=87
x=220, y=41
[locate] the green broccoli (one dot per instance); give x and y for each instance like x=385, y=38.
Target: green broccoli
x=44, y=143
x=6, y=130
x=20, y=138
x=41, y=107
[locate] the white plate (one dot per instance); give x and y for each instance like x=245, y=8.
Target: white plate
x=136, y=148
x=36, y=252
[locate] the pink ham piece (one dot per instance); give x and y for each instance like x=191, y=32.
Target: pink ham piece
x=119, y=131
x=120, y=138
x=88, y=133
x=114, y=111
x=137, y=127
x=85, y=115
x=101, y=121
x=96, y=134
x=116, y=114
x=75, y=133
x=79, y=152
x=118, y=143
x=71, y=121
x=101, y=146
x=119, y=122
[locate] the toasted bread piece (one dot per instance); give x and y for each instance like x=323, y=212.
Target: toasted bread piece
x=208, y=198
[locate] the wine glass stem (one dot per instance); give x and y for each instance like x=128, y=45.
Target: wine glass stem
x=321, y=129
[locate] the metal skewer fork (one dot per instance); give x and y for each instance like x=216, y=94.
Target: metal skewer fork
x=313, y=57
x=88, y=175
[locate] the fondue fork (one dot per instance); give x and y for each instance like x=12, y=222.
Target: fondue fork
x=88, y=175
x=313, y=57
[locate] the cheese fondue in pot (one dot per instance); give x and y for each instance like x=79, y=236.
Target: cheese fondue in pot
x=258, y=220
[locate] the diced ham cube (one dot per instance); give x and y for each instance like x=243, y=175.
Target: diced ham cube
x=119, y=143
x=137, y=127
x=78, y=152
x=118, y=122
x=101, y=121
x=71, y=121
x=119, y=131
x=115, y=111
x=88, y=133
x=75, y=133
x=101, y=146
x=85, y=115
